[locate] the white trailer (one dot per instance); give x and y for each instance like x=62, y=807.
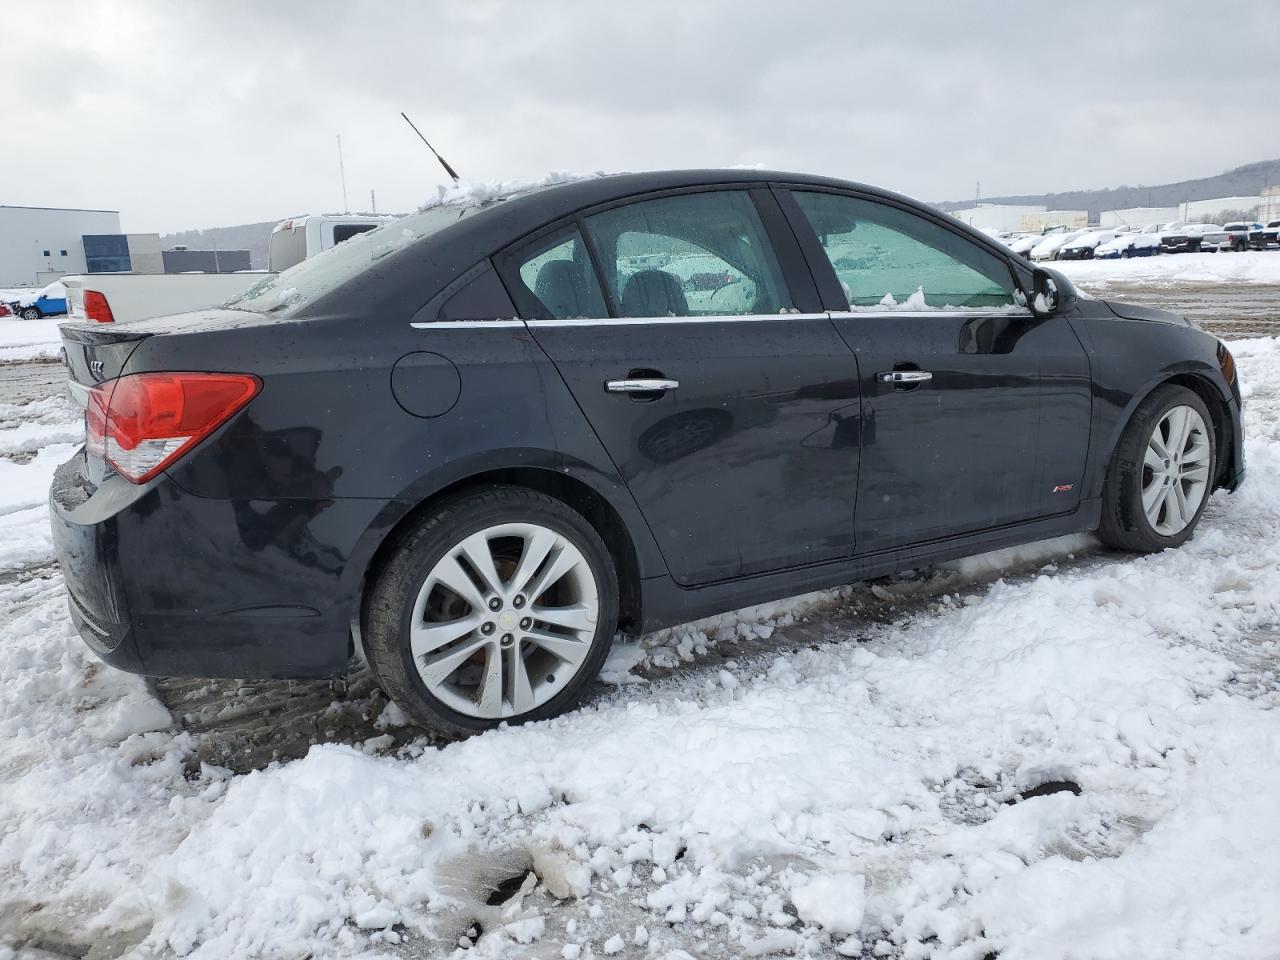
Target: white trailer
x=120, y=297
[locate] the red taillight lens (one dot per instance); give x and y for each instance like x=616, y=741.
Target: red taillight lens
x=143, y=422
x=96, y=307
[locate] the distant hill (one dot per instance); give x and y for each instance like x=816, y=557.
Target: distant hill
x=1241, y=182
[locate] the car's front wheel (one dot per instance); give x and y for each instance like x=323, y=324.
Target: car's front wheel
x=30, y=313
x=500, y=606
x=1161, y=474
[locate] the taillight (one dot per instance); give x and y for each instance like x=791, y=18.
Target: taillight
x=143, y=422
x=96, y=307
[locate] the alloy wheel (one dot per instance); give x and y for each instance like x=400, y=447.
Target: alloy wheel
x=504, y=620
x=1175, y=470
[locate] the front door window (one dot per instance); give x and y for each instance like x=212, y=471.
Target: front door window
x=888, y=258
x=702, y=254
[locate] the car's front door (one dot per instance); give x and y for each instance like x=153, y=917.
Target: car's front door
x=679, y=323
x=975, y=412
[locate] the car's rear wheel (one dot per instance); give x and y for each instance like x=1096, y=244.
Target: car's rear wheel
x=1161, y=474
x=498, y=607
x=31, y=313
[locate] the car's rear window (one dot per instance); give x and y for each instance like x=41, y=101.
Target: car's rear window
x=307, y=281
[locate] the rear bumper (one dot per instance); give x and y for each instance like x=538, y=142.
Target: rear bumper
x=164, y=583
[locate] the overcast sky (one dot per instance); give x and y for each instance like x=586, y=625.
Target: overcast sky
x=196, y=114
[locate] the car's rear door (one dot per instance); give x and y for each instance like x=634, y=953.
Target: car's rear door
x=690, y=333
x=975, y=412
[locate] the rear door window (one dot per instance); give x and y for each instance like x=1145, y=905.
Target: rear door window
x=887, y=258
x=698, y=254
x=557, y=280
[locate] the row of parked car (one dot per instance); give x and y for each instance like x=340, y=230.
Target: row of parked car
x=1062, y=243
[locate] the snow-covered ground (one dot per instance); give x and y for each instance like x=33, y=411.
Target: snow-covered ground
x=1252, y=266
x=29, y=339
x=854, y=790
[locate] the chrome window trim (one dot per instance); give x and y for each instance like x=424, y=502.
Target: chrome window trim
x=458, y=324
x=647, y=321
x=942, y=314
x=719, y=318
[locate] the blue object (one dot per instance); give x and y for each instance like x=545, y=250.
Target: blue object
x=49, y=306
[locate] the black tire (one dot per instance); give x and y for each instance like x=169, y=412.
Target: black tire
x=30, y=313
x=389, y=601
x=1124, y=523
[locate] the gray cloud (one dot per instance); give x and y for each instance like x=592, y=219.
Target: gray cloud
x=187, y=115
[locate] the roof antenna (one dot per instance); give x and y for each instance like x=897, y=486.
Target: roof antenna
x=443, y=162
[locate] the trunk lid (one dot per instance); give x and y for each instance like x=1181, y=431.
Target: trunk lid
x=95, y=353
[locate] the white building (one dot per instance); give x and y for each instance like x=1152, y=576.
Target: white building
x=1269, y=204
x=40, y=244
x=1073, y=219
x=1211, y=211
x=996, y=216
x=1139, y=216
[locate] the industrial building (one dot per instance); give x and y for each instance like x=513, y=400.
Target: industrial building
x=185, y=260
x=1139, y=216
x=1031, y=222
x=40, y=244
x=1217, y=210
x=1269, y=204
x=996, y=216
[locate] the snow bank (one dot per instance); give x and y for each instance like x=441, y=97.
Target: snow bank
x=861, y=795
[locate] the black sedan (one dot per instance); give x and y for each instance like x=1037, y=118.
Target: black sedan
x=476, y=442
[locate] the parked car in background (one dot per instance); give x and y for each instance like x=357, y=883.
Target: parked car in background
x=1186, y=238
x=4, y=310
x=480, y=440
x=120, y=297
x=1233, y=237
x=1083, y=246
x=1128, y=245
x=1266, y=236
x=1048, y=247
x=1024, y=244
x=48, y=301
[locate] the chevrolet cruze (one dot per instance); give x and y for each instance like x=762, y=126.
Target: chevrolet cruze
x=477, y=442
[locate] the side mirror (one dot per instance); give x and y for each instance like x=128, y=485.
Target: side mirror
x=1052, y=293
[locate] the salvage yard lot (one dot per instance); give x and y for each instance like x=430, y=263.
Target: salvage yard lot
x=1049, y=752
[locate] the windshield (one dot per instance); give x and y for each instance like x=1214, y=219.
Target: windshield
x=313, y=278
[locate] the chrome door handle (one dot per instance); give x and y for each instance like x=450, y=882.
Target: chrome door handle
x=904, y=376
x=641, y=385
